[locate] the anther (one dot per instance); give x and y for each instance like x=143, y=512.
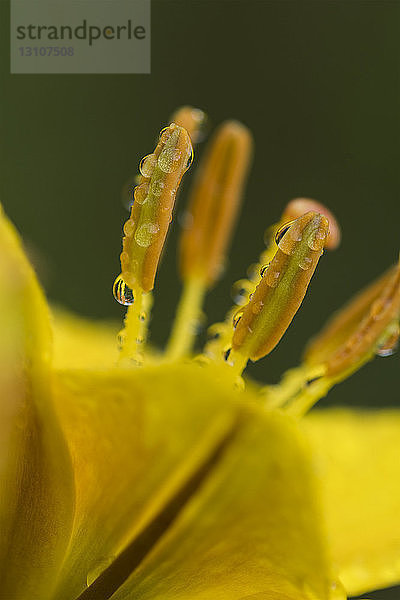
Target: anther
x=214, y=203
x=146, y=229
x=299, y=206
x=282, y=288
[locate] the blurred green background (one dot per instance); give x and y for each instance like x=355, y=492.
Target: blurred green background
x=318, y=84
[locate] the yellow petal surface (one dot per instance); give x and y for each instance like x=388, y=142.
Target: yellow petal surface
x=249, y=530
x=358, y=462
x=36, y=486
x=134, y=436
x=80, y=343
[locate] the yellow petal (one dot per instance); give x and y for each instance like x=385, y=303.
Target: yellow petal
x=249, y=528
x=359, y=467
x=36, y=490
x=80, y=343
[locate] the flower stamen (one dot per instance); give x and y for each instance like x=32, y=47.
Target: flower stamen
x=146, y=229
x=213, y=209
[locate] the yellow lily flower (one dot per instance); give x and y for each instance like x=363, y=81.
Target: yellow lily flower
x=129, y=474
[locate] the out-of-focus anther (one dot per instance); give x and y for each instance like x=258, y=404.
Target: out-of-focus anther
x=213, y=209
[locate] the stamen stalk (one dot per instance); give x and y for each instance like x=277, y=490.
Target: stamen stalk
x=187, y=319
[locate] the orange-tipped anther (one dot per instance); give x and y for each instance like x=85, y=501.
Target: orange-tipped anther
x=151, y=213
x=357, y=332
x=215, y=202
x=282, y=287
x=299, y=206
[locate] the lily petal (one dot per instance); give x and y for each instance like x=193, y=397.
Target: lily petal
x=36, y=497
x=83, y=343
x=134, y=436
x=359, y=467
x=250, y=528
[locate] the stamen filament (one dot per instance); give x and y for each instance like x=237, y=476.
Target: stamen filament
x=188, y=315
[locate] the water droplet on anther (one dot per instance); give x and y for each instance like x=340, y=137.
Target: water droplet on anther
x=122, y=293
x=263, y=270
x=236, y=317
x=227, y=354
x=144, y=234
x=147, y=164
x=305, y=263
x=190, y=159
x=391, y=343
x=142, y=316
x=168, y=160
x=129, y=227
x=240, y=289
x=140, y=193
x=281, y=231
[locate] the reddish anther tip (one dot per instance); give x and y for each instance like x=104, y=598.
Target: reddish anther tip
x=298, y=206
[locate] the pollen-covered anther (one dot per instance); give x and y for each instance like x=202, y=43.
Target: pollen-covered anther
x=214, y=203
x=151, y=213
x=282, y=287
x=377, y=329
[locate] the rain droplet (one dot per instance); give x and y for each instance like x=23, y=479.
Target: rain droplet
x=129, y=228
x=305, y=263
x=190, y=159
x=252, y=271
x=240, y=289
x=144, y=234
x=281, y=231
x=236, y=317
x=121, y=337
x=168, y=161
x=263, y=270
x=227, y=354
x=157, y=187
x=390, y=345
x=147, y=165
x=122, y=293
x=140, y=193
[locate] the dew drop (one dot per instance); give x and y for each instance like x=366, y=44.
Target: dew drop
x=281, y=231
x=390, y=345
x=121, y=337
x=122, y=293
x=263, y=270
x=252, y=271
x=129, y=228
x=168, y=161
x=147, y=164
x=98, y=568
x=190, y=159
x=305, y=263
x=240, y=289
x=215, y=331
x=157, y=187
x=236, y=317
x=140, y=193
x=144, y=234
x=227, y=354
